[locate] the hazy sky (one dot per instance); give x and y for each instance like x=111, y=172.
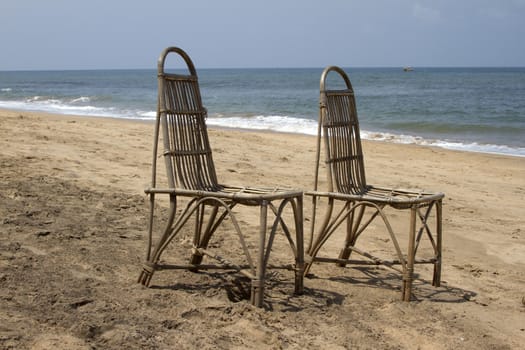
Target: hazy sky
x=88, y=34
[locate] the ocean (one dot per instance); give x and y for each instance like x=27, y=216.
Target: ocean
x=470, y=109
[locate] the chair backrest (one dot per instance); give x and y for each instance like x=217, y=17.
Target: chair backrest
x=340, y=126
x=187, y=152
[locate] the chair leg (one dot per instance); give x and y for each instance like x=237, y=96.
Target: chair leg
x=147, y=271
x=352, y=225
x=408, y=272
x=299, y=259
x=323, y=233
x=146, y=274
x=257, y=292
x=349, y=240
x=200, y=240
x=297, y=245
x=149, y=266
x=196, y=257
x=436, y=280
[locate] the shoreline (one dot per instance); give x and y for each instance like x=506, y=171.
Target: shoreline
x=255, y=130
x=73, y=240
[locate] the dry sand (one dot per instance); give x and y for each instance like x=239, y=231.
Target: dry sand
x=73, y=237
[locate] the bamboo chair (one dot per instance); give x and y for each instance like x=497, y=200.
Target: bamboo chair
x=191, y=174
x=351, y=199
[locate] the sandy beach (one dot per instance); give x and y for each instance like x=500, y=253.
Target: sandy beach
x=73, y=238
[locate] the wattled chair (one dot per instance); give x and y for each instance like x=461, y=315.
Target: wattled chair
x=191, y=175
x=353, y=204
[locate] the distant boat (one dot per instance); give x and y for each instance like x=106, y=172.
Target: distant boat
x=408, y=69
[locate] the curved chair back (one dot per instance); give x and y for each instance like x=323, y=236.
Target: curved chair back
x=187, y=152
x=339, y=123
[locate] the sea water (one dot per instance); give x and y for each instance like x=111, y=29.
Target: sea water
x=471, y=109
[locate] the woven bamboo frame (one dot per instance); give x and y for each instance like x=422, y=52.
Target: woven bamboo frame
x=191, y=173
x=351, y=200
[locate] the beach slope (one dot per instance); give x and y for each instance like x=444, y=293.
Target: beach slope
x=73, y=237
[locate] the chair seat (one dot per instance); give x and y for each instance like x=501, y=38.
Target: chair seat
x=245, y=195
x=397, y=198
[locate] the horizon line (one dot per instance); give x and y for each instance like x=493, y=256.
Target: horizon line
x=255, y=67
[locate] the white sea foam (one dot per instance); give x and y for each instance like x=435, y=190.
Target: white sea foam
x=453, y=145
x=81, y=99
x=51, y=105
x=482, y=148
x=6, y=89
x=270, y=123
x=273, y=123
x=148, y=115
x=309, y=127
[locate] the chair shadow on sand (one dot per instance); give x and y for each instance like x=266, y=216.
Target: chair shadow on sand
x=377, y=277
x=238, y=289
